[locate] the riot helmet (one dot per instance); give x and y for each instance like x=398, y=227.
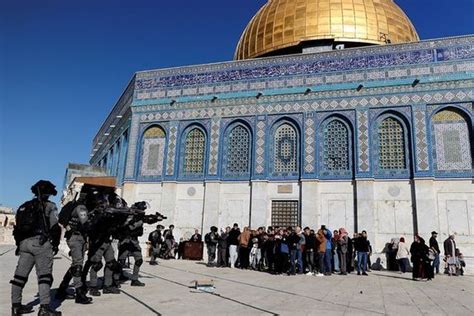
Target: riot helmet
x=43, y=188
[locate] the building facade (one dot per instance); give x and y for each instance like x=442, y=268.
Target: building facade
x=376, y=138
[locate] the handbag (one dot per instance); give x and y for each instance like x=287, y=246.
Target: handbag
x=431, y=254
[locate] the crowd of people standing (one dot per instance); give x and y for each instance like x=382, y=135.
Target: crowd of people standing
x=289, y=250
x=322, y=252
x=293, y=250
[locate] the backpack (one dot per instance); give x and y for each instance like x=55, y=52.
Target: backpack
x=66, y=212
x=29, y=221
x=154, y=237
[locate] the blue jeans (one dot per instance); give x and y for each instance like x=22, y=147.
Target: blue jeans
x=436, y=264
x=327, y=261
x=404, y=264
x=361, y=261
x=298, y=256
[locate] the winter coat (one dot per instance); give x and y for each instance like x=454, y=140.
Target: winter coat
x=321, y=241
x=328, y=240
x=244, y=239
x=223, y=240
x=342, y=244
x=403, y=251
x=233, y=238
x=448, y=247
x=310, y=241
x=293, y=241
x=361, y=244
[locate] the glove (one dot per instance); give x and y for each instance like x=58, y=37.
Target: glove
x=55, y=250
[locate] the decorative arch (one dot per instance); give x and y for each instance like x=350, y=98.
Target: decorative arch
x=392, y=154
x=237, y=153
x=336, y=156
x=153, y=151
x=193, y=151
x=452, y=147
x=285, y=149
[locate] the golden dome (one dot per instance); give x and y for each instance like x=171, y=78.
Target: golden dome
x=282, y=24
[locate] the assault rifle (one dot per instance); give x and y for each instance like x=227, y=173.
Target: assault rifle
x=137, y=210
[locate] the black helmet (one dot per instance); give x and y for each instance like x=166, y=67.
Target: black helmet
x=44, y=187
x=214, y=229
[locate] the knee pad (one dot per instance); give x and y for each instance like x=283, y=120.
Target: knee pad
x=96, y=266
x=76, y=270
x=19, y=280
x=139, y=262
x=114, y=266
x=45, y=279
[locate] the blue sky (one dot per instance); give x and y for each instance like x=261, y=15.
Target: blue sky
x=63, y=64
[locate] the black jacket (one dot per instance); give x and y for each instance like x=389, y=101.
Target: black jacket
x=293, y=241
x=362, y=244
x=310, y=241
x=233, y=238
x=448, y=247
x=434, y=244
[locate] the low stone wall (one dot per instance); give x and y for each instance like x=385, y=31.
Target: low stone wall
x=6, y=236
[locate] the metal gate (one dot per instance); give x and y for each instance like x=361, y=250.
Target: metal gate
x=284, y=213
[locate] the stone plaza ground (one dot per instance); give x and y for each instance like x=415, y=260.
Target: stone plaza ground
x=168, y=292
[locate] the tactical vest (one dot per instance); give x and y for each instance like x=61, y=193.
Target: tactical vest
x=77, y=220
x=31, y=221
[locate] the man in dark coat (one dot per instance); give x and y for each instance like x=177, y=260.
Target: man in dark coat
x=450, y=254
x=435, y=248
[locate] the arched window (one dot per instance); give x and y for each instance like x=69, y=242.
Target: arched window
x=285, y=152
x=452, y=148
x=194, y=152
x=237, y=152
x=336, y=147
x=153, y=149
x=391, y=141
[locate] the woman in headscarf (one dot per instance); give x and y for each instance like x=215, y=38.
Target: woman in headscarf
x=419, y=257
x=402, y=255
x=391, y=252
x=342, y=245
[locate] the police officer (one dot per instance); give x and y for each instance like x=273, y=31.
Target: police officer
x=155, y=238
x=76, y=235
x=100, y=238
x=130, y=245
x=37, y=236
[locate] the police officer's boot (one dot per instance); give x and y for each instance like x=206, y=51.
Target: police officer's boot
x=45, y=310
x=18, y=309
x=81, y=297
